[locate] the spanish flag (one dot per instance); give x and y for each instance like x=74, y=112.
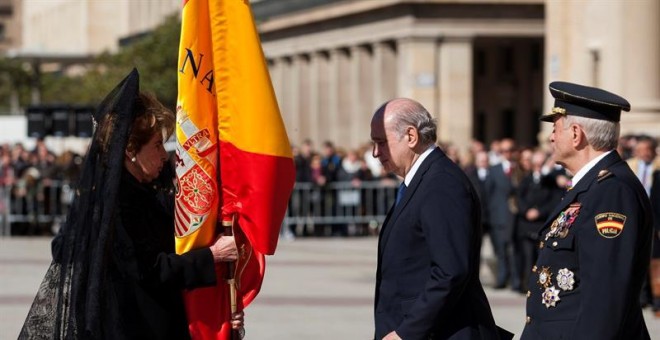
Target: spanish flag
x=234, y=160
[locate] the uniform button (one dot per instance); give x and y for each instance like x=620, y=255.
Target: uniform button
x=534, y=269
x=529, y=294
x=528, y=320
x=541, y=244
x=554, y=244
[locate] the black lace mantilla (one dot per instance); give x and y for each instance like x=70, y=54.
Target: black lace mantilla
x=80, y=295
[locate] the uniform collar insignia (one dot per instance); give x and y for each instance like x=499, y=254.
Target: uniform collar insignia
x=604, y=174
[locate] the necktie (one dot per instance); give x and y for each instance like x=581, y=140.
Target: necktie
x=645, y=180
x=644, y=174
x=399, y=194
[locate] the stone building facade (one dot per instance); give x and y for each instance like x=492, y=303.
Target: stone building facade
x=481, y=67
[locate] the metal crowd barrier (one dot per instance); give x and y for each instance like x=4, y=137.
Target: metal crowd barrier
x=345, y=207
x=33, y=207
x=356, y=208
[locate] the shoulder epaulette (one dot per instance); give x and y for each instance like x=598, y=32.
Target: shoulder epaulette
x=604, y=174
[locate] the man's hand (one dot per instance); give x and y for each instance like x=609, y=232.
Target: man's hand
x=392, y=336
x=532, y=214
x=224, y=249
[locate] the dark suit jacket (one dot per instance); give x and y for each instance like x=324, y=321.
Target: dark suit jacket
x=427, y=281
x=499, y=190
x=480, y=187
x=655, y=203
x=608, y=263
x=543, y=195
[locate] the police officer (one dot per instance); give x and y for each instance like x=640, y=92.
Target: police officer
x=594, y=248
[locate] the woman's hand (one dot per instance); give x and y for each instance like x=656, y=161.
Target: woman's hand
x=224, y=249
x=237, y=320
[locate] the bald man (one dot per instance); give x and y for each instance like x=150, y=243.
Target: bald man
x=427, y=280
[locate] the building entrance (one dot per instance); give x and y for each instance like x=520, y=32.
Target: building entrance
x=508, y=89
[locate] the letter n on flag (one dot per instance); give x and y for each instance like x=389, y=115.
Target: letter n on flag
x=233, y=153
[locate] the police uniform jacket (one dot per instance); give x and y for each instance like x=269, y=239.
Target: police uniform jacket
x=427, y=280
x=594, y=253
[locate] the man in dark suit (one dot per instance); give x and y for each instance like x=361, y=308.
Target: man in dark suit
x=538, y=194
x=595, y=245
x=427, y=279
x=500, y=192
x=654, y=272
x=477, y=176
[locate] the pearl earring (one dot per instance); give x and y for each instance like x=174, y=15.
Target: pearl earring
x=133, y=159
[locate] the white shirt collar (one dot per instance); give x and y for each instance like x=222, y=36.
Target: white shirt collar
x=416, y=165
x=506, y=165
x=578, y=175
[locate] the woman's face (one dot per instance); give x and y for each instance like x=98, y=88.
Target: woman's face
x=150, y=159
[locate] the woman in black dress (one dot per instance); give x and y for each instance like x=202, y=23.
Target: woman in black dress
x=114, y=273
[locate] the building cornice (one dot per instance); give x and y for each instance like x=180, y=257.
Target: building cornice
x=336, y=10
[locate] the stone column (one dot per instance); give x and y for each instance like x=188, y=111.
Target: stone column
x=361, y=85
x=455, y=92
x=276, y=74
x=292, y=86
x=384, y=71
x=304, y=102
x=286, y=97
x=344, y=104
x=333, y=97
x=417, y=70
x=641, y=66
x=325, y=98
x=314, y=104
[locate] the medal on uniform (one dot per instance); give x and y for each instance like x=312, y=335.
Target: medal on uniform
x=565, y=279
x=545, y=277
x=563, y=222
x=550, y=297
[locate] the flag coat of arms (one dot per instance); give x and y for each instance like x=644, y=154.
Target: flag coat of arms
x=234, y=161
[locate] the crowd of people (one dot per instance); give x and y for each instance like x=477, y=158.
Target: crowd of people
x=36, y=183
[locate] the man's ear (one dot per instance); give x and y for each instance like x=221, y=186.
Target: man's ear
x=413, y=137
x=577, y=136
x=129, y=154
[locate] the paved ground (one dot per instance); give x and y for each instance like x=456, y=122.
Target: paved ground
x=314, y=289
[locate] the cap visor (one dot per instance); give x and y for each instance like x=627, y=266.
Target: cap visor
x=548, y=117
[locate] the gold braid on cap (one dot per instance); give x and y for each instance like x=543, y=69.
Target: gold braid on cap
x=559, y=110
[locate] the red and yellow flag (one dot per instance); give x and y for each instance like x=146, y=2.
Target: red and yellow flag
x=233, y=154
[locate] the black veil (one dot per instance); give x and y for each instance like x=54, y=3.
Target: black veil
x=80, y=295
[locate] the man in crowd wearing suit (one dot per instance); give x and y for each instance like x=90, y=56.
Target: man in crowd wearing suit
x=538, y=194
x=644, y=164
x=500, y=192
x=595, y=246
x=427, y=279
x=477, y=176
